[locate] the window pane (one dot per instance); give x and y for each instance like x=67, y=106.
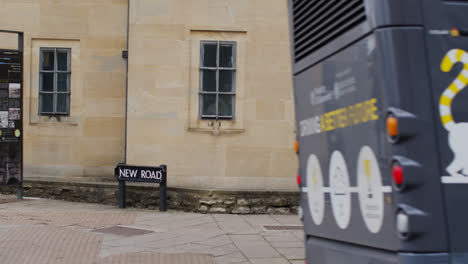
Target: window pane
x=62, y=60
x=47, y=103
x=209, y=54
x=225, y=105
x=47, y=60
x=208, y=104
x=226, y=55
x=47, y=81
x=226, y=81
x=62, y=82
x=208, y=81
x=62, y=103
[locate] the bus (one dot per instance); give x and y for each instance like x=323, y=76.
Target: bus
x=382, y=129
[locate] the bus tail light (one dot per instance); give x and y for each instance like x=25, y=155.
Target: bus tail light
x=401, y=125
x=298, y=180
x=397, y=173
x=296, y=146
x=407, y=173
x=392, y=126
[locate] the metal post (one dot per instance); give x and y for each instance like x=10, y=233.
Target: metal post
x=19, y=192
x=122, y=193
x=163, y=190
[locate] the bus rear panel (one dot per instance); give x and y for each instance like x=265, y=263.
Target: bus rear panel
x=381, y=124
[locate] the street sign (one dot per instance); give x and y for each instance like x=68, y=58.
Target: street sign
x=140, y=173
x=124, y=173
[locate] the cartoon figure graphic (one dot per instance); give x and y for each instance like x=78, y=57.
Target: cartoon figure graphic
x=458, y=132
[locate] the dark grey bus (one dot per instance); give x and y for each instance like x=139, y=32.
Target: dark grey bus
x=382, y=129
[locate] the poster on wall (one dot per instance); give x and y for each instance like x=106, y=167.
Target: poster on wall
x=3, y=119
x=11, y=153
x=14, y=90
x=14, y=114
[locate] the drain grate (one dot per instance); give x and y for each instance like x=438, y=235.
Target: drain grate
x=123, y=231
x=282, y=228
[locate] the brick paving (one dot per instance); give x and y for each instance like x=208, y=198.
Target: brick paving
x=48, y=244
x=7, y=198
x=158, y=258
x=84, y=219
x=48, y=231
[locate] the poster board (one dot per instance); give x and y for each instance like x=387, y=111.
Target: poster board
x=11, y=113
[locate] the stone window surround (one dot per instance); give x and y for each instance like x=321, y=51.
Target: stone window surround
x=216, y=127
x=35, y=117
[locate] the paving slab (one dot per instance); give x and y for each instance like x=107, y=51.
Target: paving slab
x=254, y=246
x=216, y=241
x=268, y=261
x=49, y=231
x=150, y=258
x=281, y=236
x=287, y=244
x=288, y=219
x=233, y=258
x=258, y=221
x=292, y=253
x=299, y=235
x=46, y=244
x=297, y=262
x=234, y=224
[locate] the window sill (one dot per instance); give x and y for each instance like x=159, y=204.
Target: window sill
x=217, y=128
x=54, y=119
x=218, y=132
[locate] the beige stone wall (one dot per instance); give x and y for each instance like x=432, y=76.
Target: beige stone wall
x=254, y=152
x=87, y=144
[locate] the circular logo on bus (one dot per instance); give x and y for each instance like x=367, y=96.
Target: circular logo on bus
x=339, y=190
x=315, y=190
x=371, y=197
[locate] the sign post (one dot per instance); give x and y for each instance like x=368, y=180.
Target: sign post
x=122, y=198
x=158, y=175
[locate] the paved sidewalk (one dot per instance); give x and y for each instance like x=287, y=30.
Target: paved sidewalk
x=48, y=231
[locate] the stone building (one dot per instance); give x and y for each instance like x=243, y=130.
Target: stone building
x=206, y=89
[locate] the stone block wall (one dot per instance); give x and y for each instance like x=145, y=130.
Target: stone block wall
x=88, y=143
x=147, y=196
x=252, y=152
